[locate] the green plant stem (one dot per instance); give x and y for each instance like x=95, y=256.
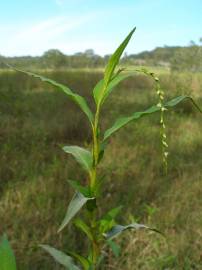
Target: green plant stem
x=93, y=187
x=95, y=137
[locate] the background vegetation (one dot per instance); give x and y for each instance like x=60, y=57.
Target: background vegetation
x=188, y=58
x=35, y=120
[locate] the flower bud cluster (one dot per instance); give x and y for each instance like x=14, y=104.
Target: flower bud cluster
x=160, y=94
x=160, y=104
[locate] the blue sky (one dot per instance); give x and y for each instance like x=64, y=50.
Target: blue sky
x=30, y=27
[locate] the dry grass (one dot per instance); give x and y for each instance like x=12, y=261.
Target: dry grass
x=33, y=188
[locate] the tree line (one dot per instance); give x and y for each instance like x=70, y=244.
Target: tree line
x=187, y=58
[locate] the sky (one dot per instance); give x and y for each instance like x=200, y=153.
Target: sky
x=31, y=27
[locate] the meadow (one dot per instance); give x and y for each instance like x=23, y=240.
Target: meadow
x=35, y=120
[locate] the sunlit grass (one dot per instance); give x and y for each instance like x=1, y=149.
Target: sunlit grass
x=34, y=173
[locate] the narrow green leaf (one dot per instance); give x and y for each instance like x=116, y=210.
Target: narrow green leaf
x=60, y=257
x=84, y=227
x=97, y=91
x=79, y=100
x=118, y=229
x=108, y=220
x=78, y=187
x=7, y=258
x=75, y=205
x=121, y=122
x=82, y=260
x=115, y=248
x=114, y=82
x=83, y=156
x=101, y=90
x=173, y=102
x=114, y=59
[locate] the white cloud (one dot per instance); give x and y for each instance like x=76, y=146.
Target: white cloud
x=38, y=37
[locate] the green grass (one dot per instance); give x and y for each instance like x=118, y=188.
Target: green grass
x=35, y=121
x=155, y=69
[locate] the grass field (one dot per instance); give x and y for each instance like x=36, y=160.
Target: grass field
x=36, y=120
x=156, y=69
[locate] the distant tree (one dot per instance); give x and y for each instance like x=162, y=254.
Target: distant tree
x=54, y=58
x=178, y=58
x=188, y=58
x=89, y=53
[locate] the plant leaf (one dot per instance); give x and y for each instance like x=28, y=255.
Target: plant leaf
x=83, y=261
x=114, y=59
x=78, y=187
x=108, y=220
x=79, y=100
x=102, y=151
x=75, y=205
x=114, y=82
x=118, y=229
x=83, y=156
x=7, y=258
x=100, y=90
x=115, y=248
x=97, y=91
x=121, y=122
x=84, y=227
x=117, y=78
x=60, y=257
